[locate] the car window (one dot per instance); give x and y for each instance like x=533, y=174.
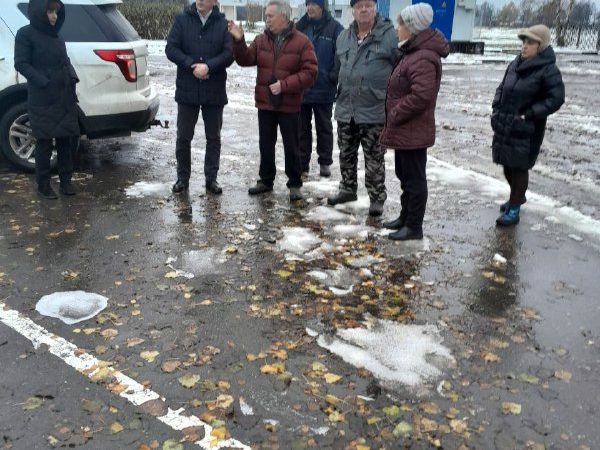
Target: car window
x=120, y=22
x=90, y=23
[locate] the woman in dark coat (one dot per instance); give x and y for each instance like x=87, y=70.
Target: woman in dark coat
x=41, y=57
x=531, y=90
x=410, y=113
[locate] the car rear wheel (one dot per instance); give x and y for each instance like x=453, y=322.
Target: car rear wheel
x=16, y=139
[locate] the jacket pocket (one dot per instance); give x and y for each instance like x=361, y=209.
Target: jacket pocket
x=522, y=128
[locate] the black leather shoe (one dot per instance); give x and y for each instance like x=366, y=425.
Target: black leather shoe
x=406, y=234
x=259, y=188
x=395, y=224
x=47, y=192
x=214, y=188
x=67, y=188
x=342, y=197
x=180, y=186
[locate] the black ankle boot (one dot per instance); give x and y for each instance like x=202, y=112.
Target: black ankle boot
x=406, y=234
x=46, y=191
x=67, y=188
x=395, y=224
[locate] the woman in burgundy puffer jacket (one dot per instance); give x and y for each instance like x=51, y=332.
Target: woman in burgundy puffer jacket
x=409, y=118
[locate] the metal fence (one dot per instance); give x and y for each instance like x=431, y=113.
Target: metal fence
x=581, y=37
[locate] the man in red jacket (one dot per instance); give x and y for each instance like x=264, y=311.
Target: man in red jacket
x=286, y=66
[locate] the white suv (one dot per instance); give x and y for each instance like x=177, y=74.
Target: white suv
x=115, y=96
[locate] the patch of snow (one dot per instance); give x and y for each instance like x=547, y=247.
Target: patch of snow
x=328, y=214
x=246, y=409
x=491, y=187
x=361, y=204
x=397, y=354
x=147, y=189
x=311, y=332
x=71, y=307
x=321, y=431
x=298, y=240
x=360, y=232
x=341, y=292
x=318, y=275
x=498, y=260
x=321, y=188
x=156, y=48
x=576, y=237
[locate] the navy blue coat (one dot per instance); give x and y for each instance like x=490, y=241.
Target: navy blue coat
x=41, y=57
x=190, y=42
x=530, y=91
x=323, y=34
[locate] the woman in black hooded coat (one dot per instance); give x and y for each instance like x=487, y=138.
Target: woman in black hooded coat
x=41, y=57
x=531, y=90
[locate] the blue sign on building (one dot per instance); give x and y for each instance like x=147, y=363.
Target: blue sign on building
x=383, y=7
x=443, y=15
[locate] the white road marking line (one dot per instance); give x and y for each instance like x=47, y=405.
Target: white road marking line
x=89, y=366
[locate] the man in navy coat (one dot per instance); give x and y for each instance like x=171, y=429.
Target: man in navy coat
x=323, y=30
x=200, y=45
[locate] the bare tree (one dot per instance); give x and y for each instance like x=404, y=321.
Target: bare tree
x=508, y=15
x=254, y=13
x=527, y=12
x=582, y=13
x=484, y=14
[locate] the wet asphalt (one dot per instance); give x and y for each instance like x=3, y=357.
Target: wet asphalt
x=526, y=333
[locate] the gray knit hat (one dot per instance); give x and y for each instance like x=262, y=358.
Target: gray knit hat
x=417, y=17
x=539, y=33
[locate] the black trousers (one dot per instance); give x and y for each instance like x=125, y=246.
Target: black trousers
x=65, y=146
x=410, y=170
x=268, y=121
x=187, y=118
x=518, y=180
x=324, y=128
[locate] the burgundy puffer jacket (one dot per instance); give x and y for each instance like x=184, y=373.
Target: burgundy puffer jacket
x=294, y=64
x=412, y=93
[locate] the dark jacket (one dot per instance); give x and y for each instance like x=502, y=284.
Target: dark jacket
x=531, y=88
x=412, y=92
x=364, y=72
x=41, y=57
x=293, y=63
x=323, y=34
x=190, y=42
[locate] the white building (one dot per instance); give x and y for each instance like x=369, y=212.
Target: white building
x=236, y=9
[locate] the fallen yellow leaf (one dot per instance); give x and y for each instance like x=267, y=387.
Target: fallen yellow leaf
x=149, y=356
x=273, y=369
x=332, y=378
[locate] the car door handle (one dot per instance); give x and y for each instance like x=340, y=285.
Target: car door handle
x=1, y=58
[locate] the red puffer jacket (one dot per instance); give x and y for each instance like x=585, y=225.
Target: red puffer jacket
x=412, y=93
x=294, y=64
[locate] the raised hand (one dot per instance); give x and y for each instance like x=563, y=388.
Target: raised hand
x=235, y=30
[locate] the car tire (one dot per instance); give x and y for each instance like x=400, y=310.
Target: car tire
x=15, y=133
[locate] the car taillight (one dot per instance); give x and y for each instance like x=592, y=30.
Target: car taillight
x=125, y=59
